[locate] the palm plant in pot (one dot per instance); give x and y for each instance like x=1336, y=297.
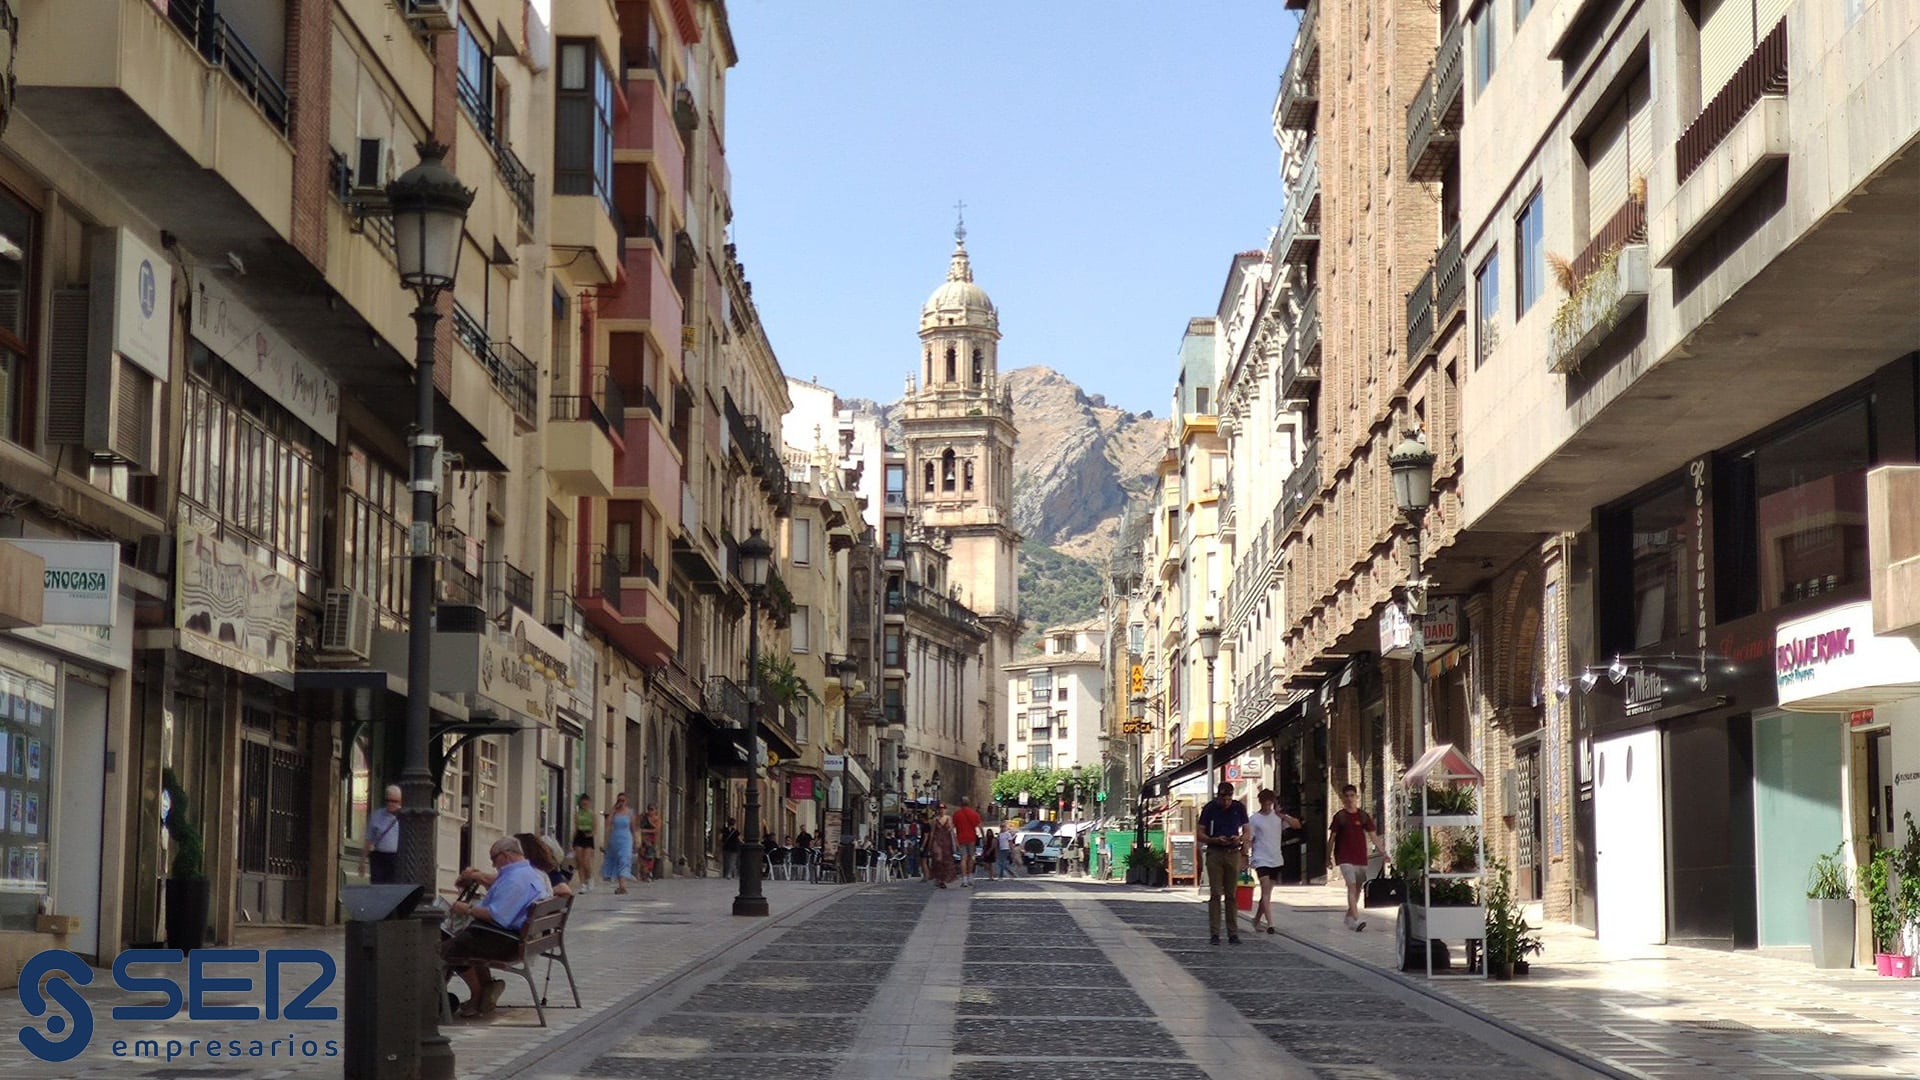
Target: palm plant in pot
x=1509, y=940
x=1830, y=910
x=189, y=894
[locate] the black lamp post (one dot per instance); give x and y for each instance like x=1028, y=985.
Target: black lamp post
x=1060, y=797
x=1209, y=636
x=849, y=673
x=1412, y=465
x=429, y=222
x=1137, y=709
x=756, y=559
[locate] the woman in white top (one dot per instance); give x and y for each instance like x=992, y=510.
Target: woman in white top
x=1268, y=855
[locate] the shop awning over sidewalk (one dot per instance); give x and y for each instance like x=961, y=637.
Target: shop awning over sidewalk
x=1284, y=719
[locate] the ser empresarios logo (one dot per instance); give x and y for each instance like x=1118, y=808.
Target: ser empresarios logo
x=52, y=978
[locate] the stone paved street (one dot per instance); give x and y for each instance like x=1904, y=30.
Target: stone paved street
x=1047, y=979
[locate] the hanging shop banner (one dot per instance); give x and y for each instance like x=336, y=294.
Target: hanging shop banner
x=800, y=787
x=1442, y=625
x=1833, y=662
x=142, y=304
x=257, y=351
x=82, y=580
x=232, y=610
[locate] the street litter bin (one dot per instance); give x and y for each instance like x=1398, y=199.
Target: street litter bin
x=387, y=948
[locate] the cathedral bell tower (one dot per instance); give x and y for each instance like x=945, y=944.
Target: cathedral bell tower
x=958, y=423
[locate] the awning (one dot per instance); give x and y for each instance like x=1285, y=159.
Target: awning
x=1288, y=715
x=380, y=686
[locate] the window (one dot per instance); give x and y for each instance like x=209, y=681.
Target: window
x=1041, y=722
x=486, y=781
x=1530, y=269
x=966, y=476
x=953, y=373
x=929, y=470
x=979, y=369
x=1484, y=58
x=1061, y=693
x=1521, y=8
x=19, y=239
x=1042, y=756
x=802, y=540
x=1060, y=725
x=1202, y=399
x=1661, y=541
x=1137, y=638
x=473, y=84
x=1794, y=508
x=894, y=658
x=947, y=476
x=802, y=628
x=1020, y=726
x=1063, y=643
x=896, y=539
x=1040, y=685
x=1486, y=307
x=377, y=510
x=583, y=139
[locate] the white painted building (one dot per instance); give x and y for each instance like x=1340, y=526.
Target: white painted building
x=1058, y=700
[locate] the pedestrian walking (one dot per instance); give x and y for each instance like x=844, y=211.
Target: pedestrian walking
x=619, y=866
x=383, y=839
x=1003, y=852
x=937, y=848
x=966, y=834
x=583, y=844
x=1353, y=835
x=1223, y=832
x=648, y=862
x=1267, y=829
x=729, y=850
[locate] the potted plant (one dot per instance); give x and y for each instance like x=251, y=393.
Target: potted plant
x=1243, y=891
x=189, y=895
x=1508, y=937
x=1891, y=881
x=1830, y=911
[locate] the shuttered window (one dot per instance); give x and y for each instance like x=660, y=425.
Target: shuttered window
x=1607, y=156
x=1726, y=37
x=1639, y=132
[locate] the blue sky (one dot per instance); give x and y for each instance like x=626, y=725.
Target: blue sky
x=1113, y=156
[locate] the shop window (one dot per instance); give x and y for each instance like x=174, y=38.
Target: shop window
x=1791, y=515
x=19, y=242
x=486, y=782
x=26, y=813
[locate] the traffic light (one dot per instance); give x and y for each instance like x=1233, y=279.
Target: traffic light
x=1139, y=679
x=1102, y=797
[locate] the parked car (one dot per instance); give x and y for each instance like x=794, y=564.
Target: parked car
x=1041, y=849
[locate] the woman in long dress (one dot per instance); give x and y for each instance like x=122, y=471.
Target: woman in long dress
x=619, y=866
x=938, y=851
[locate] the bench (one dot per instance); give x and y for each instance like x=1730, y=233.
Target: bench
x=542, y=936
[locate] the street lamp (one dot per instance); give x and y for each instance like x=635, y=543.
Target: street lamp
x=756, y=558
x=1060, y=796
x=429, y=208
x=1137, y=709
x=1412, y=465
x=849, y=673
x=1209, y=635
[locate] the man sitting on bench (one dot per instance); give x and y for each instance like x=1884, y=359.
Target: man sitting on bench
x=494, y=933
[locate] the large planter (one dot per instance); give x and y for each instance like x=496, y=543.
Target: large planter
x=1465, y=923
x=189, y=902
x=1893, y=965
x=1830, y=931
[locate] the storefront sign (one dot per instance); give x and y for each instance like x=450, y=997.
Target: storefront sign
x=1645, y=690
x=1832, y=662
x=799, y=787
x=1442, y=627
x=142, y=304
x=244, y=340
x=835, y=763
x=1860, y=718
x=230, y=609
x=82, y=580
x=109, y=646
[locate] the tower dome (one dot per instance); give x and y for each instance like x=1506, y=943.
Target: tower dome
x=958, y=301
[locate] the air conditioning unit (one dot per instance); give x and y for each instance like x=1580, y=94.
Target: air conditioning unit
x=432, y=16
x=346, y=625
x=97, y=399
x=371, y=166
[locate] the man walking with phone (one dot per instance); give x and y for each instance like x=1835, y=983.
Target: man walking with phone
x=1223, y=832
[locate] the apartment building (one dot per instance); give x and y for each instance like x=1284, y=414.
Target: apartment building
x=1059, y=701
x=1690, y=229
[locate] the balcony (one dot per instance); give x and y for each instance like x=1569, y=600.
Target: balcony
x=1612, y=277
x=939, y=605
x=585, y=226
x=168, y=106
x=1893, y=548
x=1434, y=115
x=1299, y=101
x=647, y=292
x=518, y=180
x=1303, y=351
x=1300, y=236
x=1737, y=141
x=1302, y=487
x=649, y=468
x=508, y=587
x=1420, y=329
x=631, y=610
x=507, y=367
x=579, y=446
x=646, y=133
x=1449, y=279
x=563, y=614
x=461, y=558
x=726, y=701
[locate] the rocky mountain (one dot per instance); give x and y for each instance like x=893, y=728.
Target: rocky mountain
x=1078, y=462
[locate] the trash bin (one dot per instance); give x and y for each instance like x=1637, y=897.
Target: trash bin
x=387, y=948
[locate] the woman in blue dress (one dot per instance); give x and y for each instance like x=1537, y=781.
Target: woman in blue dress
x=619, y=862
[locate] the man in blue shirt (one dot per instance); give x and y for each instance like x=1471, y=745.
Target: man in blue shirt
x=383, y=839
x=494, y=933
x=1223, y=832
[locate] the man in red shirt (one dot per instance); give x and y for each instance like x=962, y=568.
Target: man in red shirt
x=966, y=836
x=1353, y=834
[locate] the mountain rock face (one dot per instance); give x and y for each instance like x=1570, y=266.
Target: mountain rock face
x=1078, y=463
